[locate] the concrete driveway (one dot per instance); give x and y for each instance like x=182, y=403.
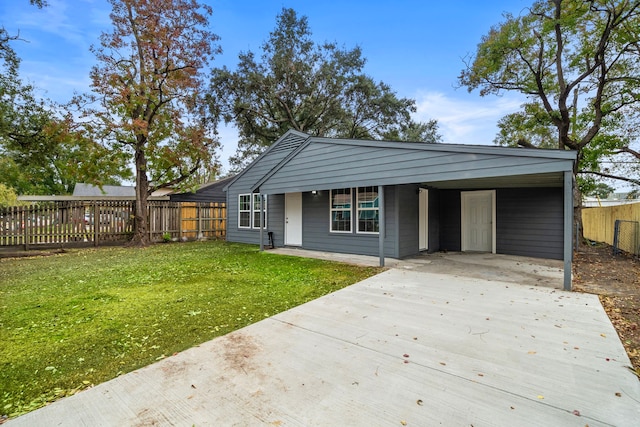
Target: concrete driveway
x=402, y=348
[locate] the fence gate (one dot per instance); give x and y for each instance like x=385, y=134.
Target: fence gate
x=626, y=237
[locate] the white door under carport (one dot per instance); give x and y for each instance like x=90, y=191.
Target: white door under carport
x=478, y=225
x=423, y=223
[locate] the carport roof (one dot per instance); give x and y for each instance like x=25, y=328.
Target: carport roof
x=324, y=163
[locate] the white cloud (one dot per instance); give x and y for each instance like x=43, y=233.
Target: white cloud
x=465, y=121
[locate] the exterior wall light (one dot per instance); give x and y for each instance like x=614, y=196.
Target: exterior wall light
x=314, y=192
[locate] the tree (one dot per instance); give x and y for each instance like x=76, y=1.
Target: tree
x=8, y=197
x=148, y=91
x=600, y=190
x=578, y=63
x=40, y=150
x=319, y=89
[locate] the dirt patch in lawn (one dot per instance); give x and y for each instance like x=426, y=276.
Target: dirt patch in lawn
x=616, y=279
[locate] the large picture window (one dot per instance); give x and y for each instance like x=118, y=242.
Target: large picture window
x=250, y=210
x=340, y=207
x=368, y=210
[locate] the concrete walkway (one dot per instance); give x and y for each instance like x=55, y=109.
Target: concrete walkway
x=402, y=348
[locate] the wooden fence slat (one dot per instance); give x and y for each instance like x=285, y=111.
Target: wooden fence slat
x=598, y=223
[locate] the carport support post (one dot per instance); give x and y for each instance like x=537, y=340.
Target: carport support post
x=261, y=222
x=381, y=228
x=568, y=228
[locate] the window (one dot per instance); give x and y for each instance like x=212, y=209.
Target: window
x=340, y=207
x=244, y=211
x=257, y=199
x=368, y=210
x=249, y=209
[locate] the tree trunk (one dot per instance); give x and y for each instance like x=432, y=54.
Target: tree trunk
x=140, y=226
x=577, y=215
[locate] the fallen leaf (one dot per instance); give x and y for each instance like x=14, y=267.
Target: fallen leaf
x=405, y=355
x=618, y=394
x=531, y=352
x=404, y=423
x=603, y=335
x=443, y=364
x=419, y=402
x=576, y=412
x=540, y=397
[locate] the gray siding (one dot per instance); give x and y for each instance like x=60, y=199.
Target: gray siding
x=323, y=165
x=449, y=208
x=243, y=183
x=434, y=220
x=316, y=234
x=408, y=224
x=529, y=222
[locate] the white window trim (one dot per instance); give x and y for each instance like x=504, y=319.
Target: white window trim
x=358, y=210
x=240, y=211
x=332, y=210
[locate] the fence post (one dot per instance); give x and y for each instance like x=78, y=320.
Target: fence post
x=96, y=222
x=25, y=221
x=199, y=214
x=180, y=221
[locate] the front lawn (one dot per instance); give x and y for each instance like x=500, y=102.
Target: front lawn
x=77, y=319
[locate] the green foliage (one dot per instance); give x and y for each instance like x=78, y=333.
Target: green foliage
x=578, y=64
x=320, y=89
x=8, y=197
x=77, y=319
x=597, y=189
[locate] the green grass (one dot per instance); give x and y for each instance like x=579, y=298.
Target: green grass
x=73, y=320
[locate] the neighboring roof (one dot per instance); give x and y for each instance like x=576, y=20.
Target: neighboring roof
x=88, y=190
x=321, y=163
x=210, y=192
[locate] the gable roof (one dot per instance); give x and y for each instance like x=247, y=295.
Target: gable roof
x=323, y=163
x=290, y=140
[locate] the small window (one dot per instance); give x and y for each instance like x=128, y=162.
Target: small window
x=340, y=209
x=368, y=210
x=244, y=211
x=257, y=209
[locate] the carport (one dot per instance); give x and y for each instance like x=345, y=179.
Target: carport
x=401, y=348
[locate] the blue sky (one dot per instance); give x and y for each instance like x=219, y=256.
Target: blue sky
x=415, y=46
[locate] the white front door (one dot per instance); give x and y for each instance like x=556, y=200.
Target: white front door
x=293, y=219
x=478, y=221
x=423, y=225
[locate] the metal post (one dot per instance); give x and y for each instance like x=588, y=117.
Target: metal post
x=381, y=227
x=261, y=223
x=568, y=228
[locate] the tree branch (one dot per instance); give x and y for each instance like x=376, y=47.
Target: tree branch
x=606, y=175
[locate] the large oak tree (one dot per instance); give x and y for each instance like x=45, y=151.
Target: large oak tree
x=147, y=94
x=578, y=63
x=320, y=89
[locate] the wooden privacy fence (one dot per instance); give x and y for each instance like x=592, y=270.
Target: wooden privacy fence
x=599, y=224
x=103, y=222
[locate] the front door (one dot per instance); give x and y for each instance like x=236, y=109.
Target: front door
x=293, y=219
x=423, y=225
x=478, y=232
